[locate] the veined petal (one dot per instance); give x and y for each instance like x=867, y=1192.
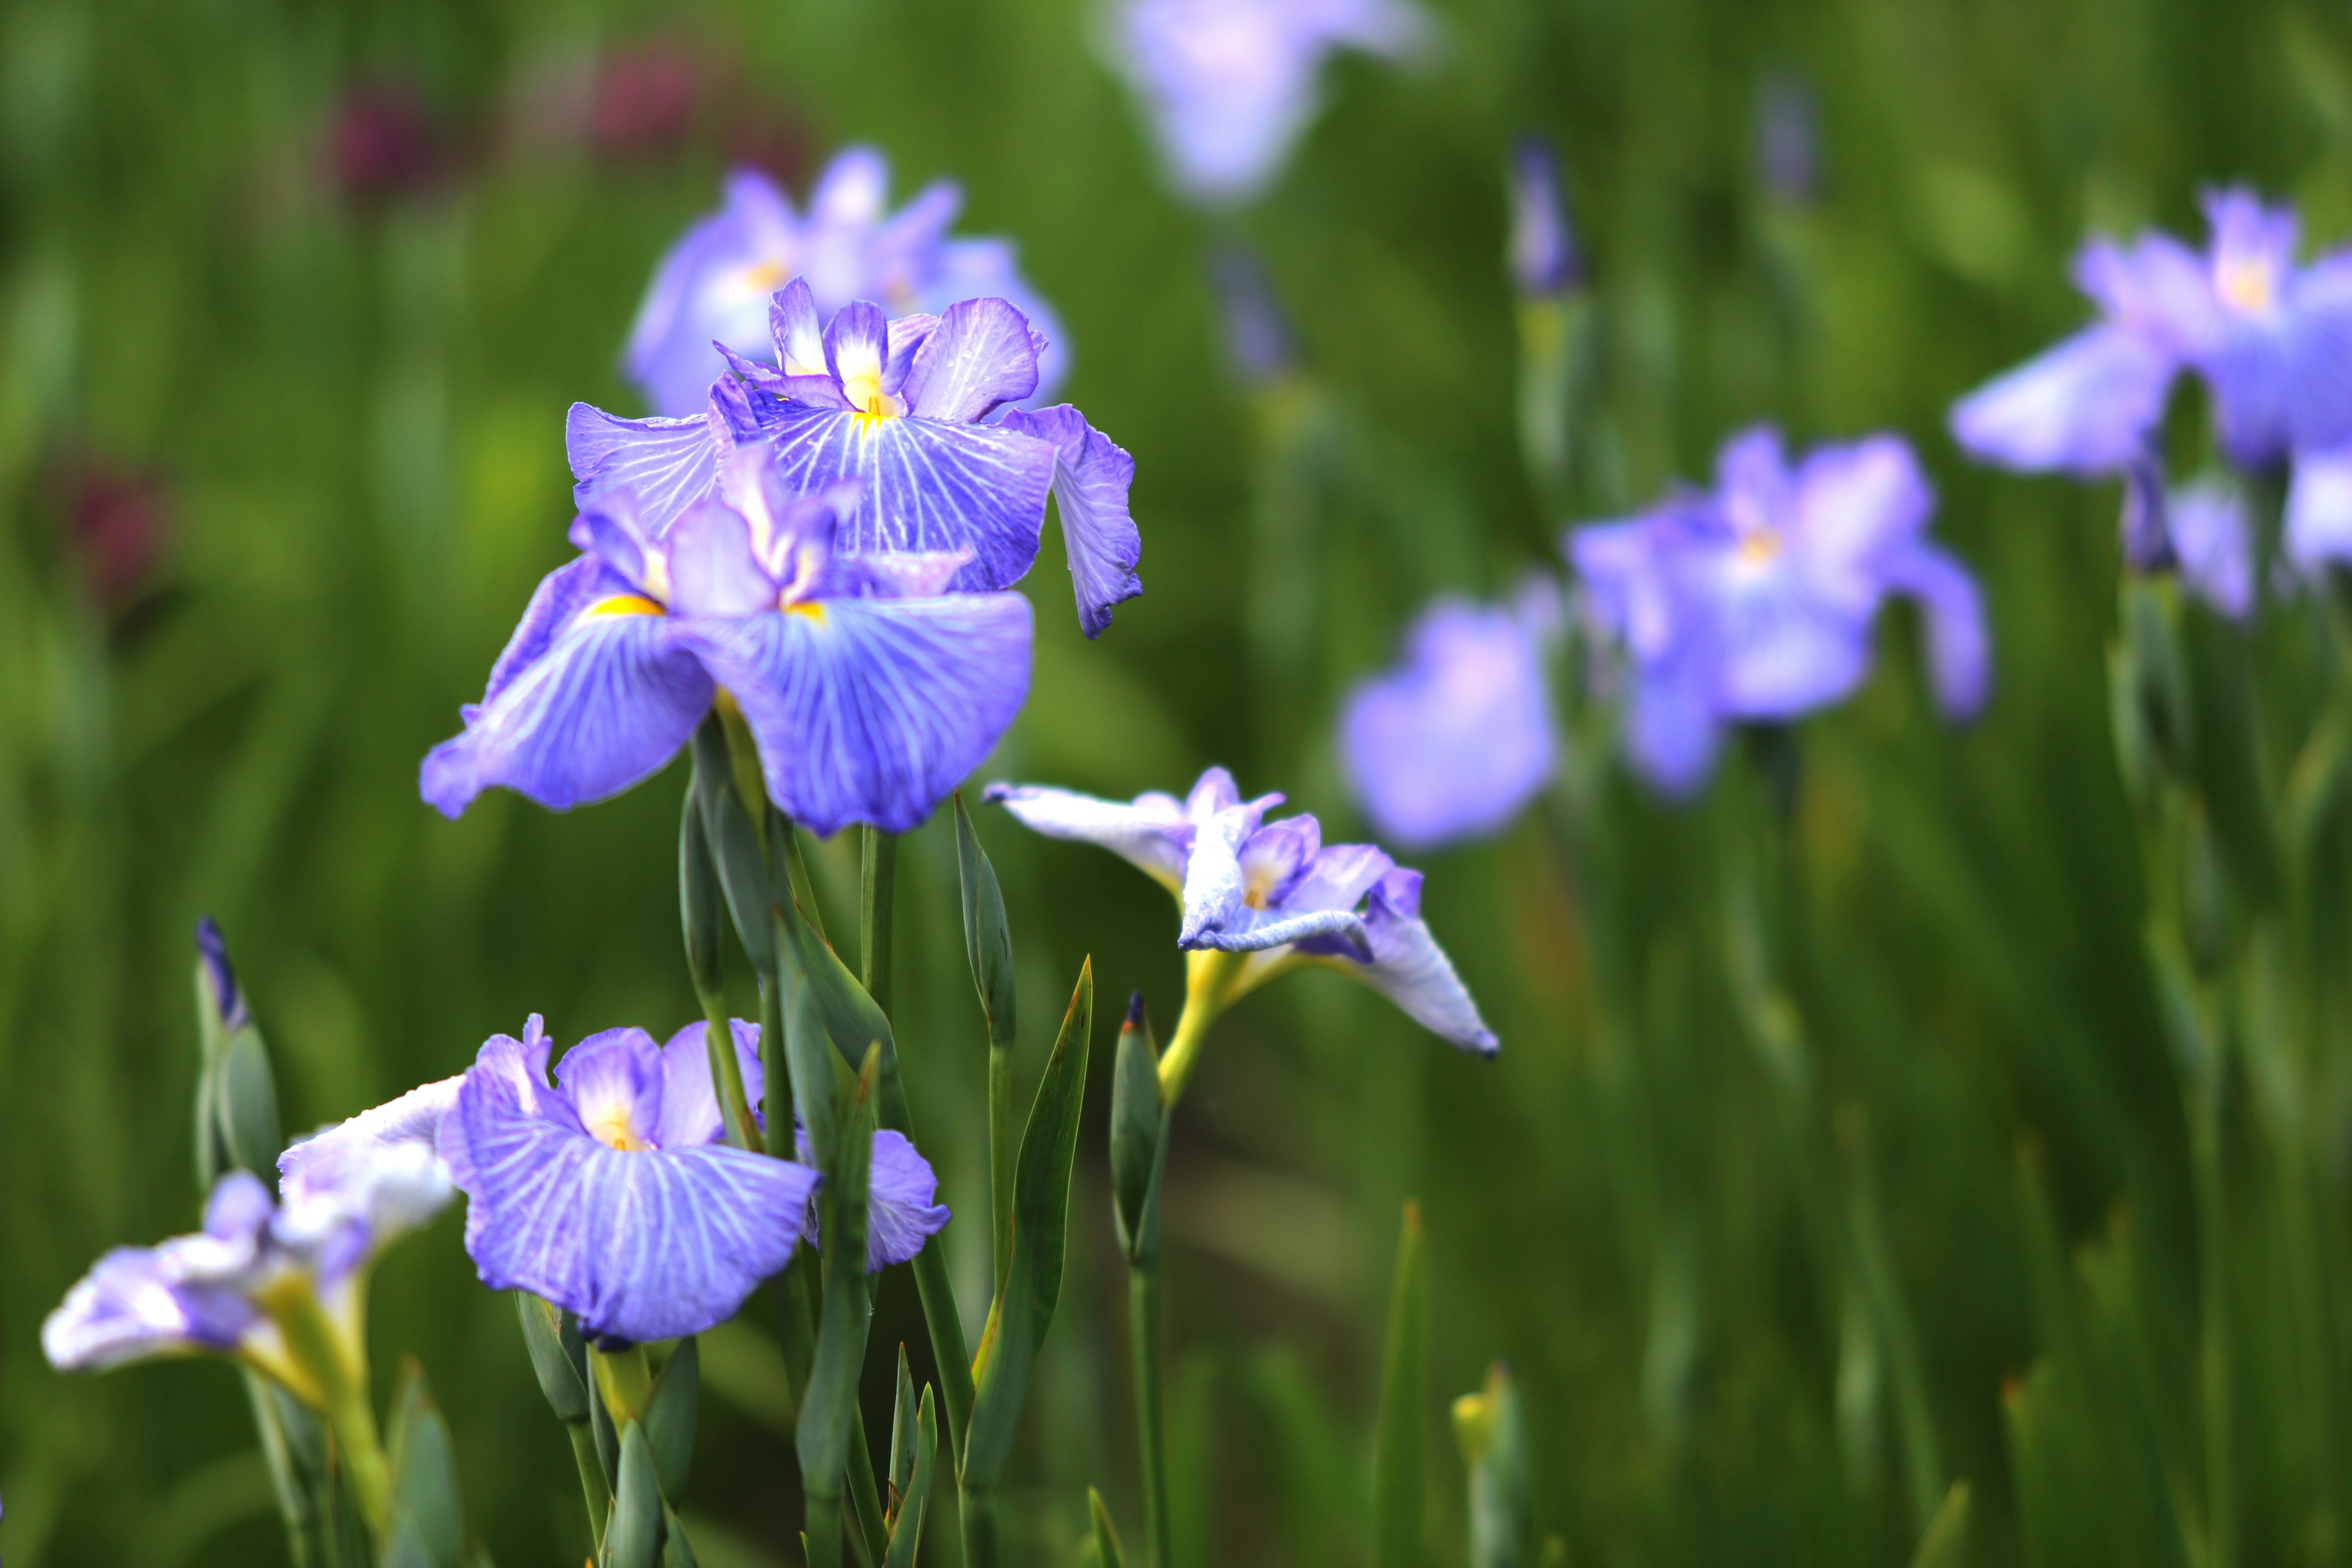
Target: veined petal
x=857, y=347
x=609, y=702
x=928, y=486
x=1091, y=478
x=1960, y=647
x=799, y=337
x=899, y=1214
x=691, y=1115
x=1150, y=832
x=1410, y=970
x=561, y=595
x=2082, y=407
x=319, y=1161
x=669, y=464
x=976, y=360
x=1254, y=931
x=872, y=709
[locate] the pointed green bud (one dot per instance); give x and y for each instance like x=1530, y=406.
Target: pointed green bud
x=1137, y=1124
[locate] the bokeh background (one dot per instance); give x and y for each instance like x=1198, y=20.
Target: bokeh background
x=293, y=295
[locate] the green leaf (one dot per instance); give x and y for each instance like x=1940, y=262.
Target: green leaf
x=743, y=878
x=676, y=1552
x=608, y=1442
x=249, y=1104
x=1945, y=1542
x=635, y=1535
x=562, y=1377
x=294, y=1443
x=812, y=1065
x=1399, y=1460
x=823, y=1430
x=697, y=897
x=1106, y=1551
x=987, y=938
x=902, y=1428
x=669, y=1417
x=1139, y=1119
x=1024, y=1310
x=850, y=1017
x=425, y=1473
x=906, y=1518
x=406, y=1547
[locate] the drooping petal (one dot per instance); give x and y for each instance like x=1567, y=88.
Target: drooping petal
x=899, y=1214
x=872, y=709
x=2213, y=539
x=2319, y=509
x=929, y=487
x=691, y=1115
x=1410, y=970
x=2082, y=407
x=1959, y=646
x=977, y=359
x=560, y=597
x=321, y=1161
x=1150, y=832
x=124, y=1309
x=610, y=700
x=1092, y=475
x=1671, y=728
x=1854, y=503
x=667, y=464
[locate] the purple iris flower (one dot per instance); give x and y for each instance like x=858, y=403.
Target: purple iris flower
x=1755, y=602
x=1272, y=891
x=918, y=409
x=2319, y=510
x=1228, y=85
x=2273, y=341
x=715, y=283
x=216, y=1289
x=870, y=691
x=1544, y=258
x=1451, y=743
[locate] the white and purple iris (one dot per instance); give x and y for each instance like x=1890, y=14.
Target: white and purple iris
x=713, y=286
x=1755, y=602
x=870, y=691
x=921, y=409
x=1271, y=893
x=1228, y=85
x=1454, y=740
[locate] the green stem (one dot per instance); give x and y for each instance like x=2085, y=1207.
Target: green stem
x=946, y=1327
x=625, y=1379
x=2213, y=1304
x=1004, y=1156
x=1209, y=979
x=983, y=1546
x=880, y=866
x=820, y=1528
x=312, y=1344
x=592, y=1479
x=1150, y=1422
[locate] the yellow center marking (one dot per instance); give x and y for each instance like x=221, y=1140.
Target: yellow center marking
x=2248, y=285
x=624, y=605
x=611, y=1126
x=764, y=275
x=815, y=612
x=1759, y=547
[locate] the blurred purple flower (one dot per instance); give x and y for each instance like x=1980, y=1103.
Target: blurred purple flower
x=1756, y=600
x=2213, y=542
x=716, y=282
x=870, y=693
x=1258, y=346
x=1272, y=891
x=2273, y=341
x=1543, y=256
x=1454, y=742
x=1789, y=138
x=2319, y=510
x=644, y=101
x=1228, y=85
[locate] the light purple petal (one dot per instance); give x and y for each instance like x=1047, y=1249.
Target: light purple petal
x=1410, y=970
x=978, y=359
x=714, y=284
x=560, y=596
x=1151, y=831
x=2319, y=509
x=125, y=1310
x=713, y=569
x=2083, y=407
x=322, y=1160
x=990, y=268
x=1091, y=478
x=667, y=464
x=1214, y=886
x=1854, y=504
x=1671, y=728
x=872, y=710
x=799, y=336
x=1959, y=646
x=691, y=1115
x=1784, y=650
x=899, y=1214
x=2213, y=539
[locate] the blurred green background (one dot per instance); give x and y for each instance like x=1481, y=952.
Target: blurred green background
x=293, y=295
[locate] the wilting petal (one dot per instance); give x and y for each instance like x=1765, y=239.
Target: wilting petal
x=1091, y=478
x=899, y=1214
x=2083, y=407
x=667, y=464
x=978, y=359
x=2213, y=538
x=2319, y=509
x=872, y=709
x=609, y=702
x=1960, y=647
x=1410, y=970
x=691, y=1115
x=928, y=486
x=1150, y=832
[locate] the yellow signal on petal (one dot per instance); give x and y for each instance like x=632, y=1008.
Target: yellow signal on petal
x=810, y=608
x=626, y=604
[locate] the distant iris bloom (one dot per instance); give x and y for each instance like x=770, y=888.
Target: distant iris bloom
x=715, y=283
x=1543, y=256
x=1271, y=893
x=1228, y=85
x=225, y=1288
x=2319, y=509
x=871, y=693
x=2273, y=341
x=917, y=409
x=1756, y=600
x=1452, y=742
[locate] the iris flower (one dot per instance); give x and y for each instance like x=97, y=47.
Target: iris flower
x=1756, y=600
x=870, y=693
x=1267, y=898
x=1454, y=740
x=715, y=283
x=2273, y=341
x=917, y=408
x=1228, y=85
x=1543, y=253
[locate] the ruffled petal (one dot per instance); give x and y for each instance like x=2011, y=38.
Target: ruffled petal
x=1150, y=832
x=899, y=1214
x=872, y=709
x=976, y=360
x=1092, y=475
x=2082, y=407
x=1959, y=646
x=1410, y=970
x=667, y=464
x=929, y=487
x=610, y=702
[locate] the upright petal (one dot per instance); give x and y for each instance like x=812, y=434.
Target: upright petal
x=712, y=568
x=1960, y=647
x=977, y=359
x=929, y=487
x=1410, y=970
x=990, y=268
x=609, y=702
x=2082, y=407
x=1856, y=503
x=857, y=347
x=669, y=464
x=799, y=336
x=1150, y=832
x=714, y=283
x=872, y=709
x=690, y=1102
x=1091, y=477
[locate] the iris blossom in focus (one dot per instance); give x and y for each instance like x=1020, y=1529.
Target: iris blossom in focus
x=1755, y=601
x=715, y=283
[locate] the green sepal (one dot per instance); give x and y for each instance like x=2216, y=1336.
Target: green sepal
x=987, y=938
x=425, y=1474
x=1106, y=1539
x=669, y=1417
x=1399, y=1458
x=1023, y=1310
x=1139, y=1121
x=902, y=1428
x=823, y=1431
x=914, y=1498
x=248, y=1104
x=1492, y=1429
x=558, y=1356
x=676, y=1552
x=634, y=1538
x=608, y=1442
x=1945, y=1542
